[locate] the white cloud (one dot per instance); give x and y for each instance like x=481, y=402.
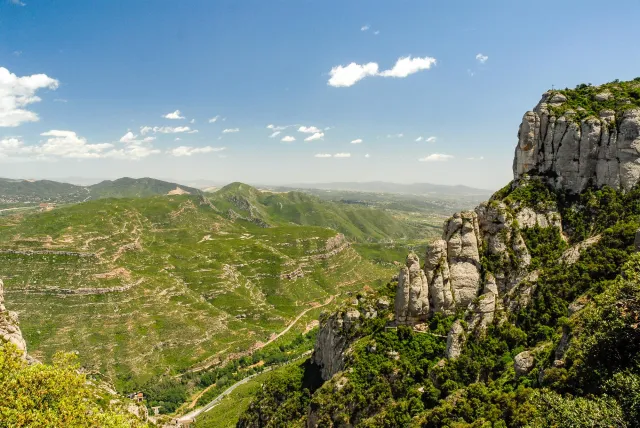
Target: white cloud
x=177, y=139
x=67, y=144
x=288, y=139
x=395, y=135
x=188, y=151
x=358, y=141
x=436, y=157
x=316, y=136
x=309, y=129
x=342, y=155
x=406, y=66
x=193, y=131
x=165, y=129
x=18, y=92
x=482, y=58
x=376, y=32
x=60, y=100
x=367, y=155
x=192, y=121
x=345, y=76
x=279, y=128
x=128, y=137
x=231, y=130
x=18, y=2
x=275, y=134
x=431, y=139
x=174, y=115
x=476, y=158
x=364, y=28
x=418, y=139
x=214, y=119
x=322, y=155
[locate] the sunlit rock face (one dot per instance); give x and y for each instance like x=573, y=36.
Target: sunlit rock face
x=572, y=154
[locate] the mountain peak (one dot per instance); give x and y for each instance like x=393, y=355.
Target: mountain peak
x=587, y=136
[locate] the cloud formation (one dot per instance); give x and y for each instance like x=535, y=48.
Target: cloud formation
x=166, y=130
x=436, y=157
x=482, y=58
x=214, y=119
x=275, y=134
x=364, y=28
x=188, y=150
x=308, y=129
x=18, y=92
x=316, y=136
x=431, y=139
x=175, y=115
x=342, y=155
x=358, y=141
x=288, y=139
x=406, y=66
x=349, y=75
x=322, y=155
x=230, y=130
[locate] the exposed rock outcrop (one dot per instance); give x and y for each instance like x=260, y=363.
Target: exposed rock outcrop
x=571, y=153
x=412, y=294
x=9, y=330
x=333, y=341
x=455, y=340
x=523, y=363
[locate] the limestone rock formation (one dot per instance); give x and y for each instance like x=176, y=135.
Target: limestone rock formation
x=412, y=295
x=9, y=330
x=523, y=363
x=455, y=340
x=332, y=342
x=573, y=153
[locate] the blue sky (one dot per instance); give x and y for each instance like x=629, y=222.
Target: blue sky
x=114, y=67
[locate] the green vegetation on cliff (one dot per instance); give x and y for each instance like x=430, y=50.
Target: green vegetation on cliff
x=581, y=329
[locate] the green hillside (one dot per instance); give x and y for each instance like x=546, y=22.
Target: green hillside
x=135, y=188
x=158, y=285
x=357, y=222
x=581, y=329
x=18, y=193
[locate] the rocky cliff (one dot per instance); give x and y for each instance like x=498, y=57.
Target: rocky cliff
x=9, y=330
x=589, y=136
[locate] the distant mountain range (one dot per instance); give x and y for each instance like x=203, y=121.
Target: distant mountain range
x=14, y=191
x=387, y=187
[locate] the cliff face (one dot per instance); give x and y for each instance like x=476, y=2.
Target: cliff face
x=451, y=277
x=9, y=330
x=600, y=149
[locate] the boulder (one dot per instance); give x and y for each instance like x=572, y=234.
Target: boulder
x=523, y=363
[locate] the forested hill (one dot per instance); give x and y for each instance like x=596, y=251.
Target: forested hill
x=525, y=313
x=25, y=192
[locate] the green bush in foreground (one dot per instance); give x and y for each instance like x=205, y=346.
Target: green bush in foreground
x=42, y=395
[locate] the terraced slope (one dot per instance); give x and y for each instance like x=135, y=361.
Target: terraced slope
x=158, y=285
x=238, y=200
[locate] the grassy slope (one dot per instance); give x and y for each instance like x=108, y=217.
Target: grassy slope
x=359, y=223
x=198, y=271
